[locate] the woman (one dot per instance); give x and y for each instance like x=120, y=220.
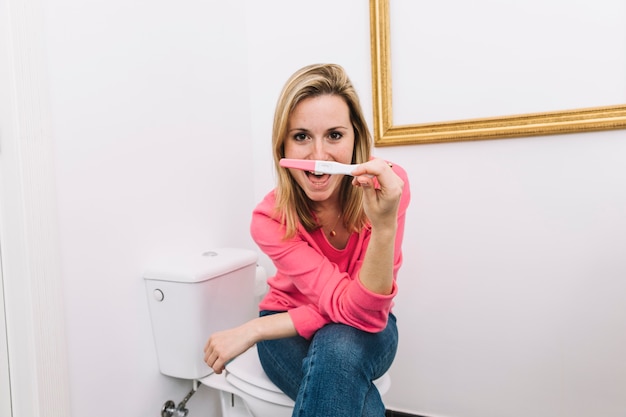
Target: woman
x=325, y=330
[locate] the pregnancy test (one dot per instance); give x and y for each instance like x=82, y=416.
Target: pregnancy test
x=318, y=167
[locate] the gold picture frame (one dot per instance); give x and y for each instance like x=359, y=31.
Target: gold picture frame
x=531, y=124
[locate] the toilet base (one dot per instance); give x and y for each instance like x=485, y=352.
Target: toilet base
x=233, y=406
x=236, y=403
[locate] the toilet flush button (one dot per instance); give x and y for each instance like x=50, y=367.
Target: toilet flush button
x=158, y=295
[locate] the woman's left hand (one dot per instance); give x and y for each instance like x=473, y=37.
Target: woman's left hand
x=380, y=203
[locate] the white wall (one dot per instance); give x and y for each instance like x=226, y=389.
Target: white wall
x=150, y=110
x=511, y=297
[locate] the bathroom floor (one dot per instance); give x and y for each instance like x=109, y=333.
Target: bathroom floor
x=391, y=413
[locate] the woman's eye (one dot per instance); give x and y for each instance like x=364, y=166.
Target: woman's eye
x=335, y=135
x=299, y=136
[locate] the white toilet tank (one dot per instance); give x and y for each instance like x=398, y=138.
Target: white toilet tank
x=192, y=298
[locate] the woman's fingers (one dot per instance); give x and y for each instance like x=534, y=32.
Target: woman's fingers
x=382, y=189
x=225, y=345
x=211, y=356
x=375, y=167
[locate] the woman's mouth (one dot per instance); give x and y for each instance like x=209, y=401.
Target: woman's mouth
x=317, y=178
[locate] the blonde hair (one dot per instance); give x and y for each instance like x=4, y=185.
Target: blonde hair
x=292, y=204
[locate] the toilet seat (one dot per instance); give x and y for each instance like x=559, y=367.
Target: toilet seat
x=246, y=373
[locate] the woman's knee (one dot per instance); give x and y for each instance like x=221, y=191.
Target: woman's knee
x=340, y=345
x=347, y=347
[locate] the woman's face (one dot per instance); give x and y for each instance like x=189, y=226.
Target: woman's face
x=320, y=128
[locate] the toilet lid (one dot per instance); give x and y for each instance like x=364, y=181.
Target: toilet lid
x=246, y=373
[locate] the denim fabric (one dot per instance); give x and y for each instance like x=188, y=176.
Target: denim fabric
x=331, y=375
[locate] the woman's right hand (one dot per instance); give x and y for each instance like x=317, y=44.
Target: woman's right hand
x=226, y=345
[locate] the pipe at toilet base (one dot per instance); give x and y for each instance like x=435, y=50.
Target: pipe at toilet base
x=170, y=409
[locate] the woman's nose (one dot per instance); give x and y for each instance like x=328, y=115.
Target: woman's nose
x=319, y=150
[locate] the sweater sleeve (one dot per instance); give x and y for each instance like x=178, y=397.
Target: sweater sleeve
x=311, y=287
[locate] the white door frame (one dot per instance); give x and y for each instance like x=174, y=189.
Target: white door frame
x=35, y=324
x=5, y=381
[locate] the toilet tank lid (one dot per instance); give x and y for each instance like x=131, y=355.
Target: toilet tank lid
x=201, y=266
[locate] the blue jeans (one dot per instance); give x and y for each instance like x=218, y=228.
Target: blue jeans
x=331, y=374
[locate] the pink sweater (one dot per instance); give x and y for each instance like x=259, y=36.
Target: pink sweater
x=317, y=283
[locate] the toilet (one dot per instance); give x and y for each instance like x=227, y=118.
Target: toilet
x=192, y=297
